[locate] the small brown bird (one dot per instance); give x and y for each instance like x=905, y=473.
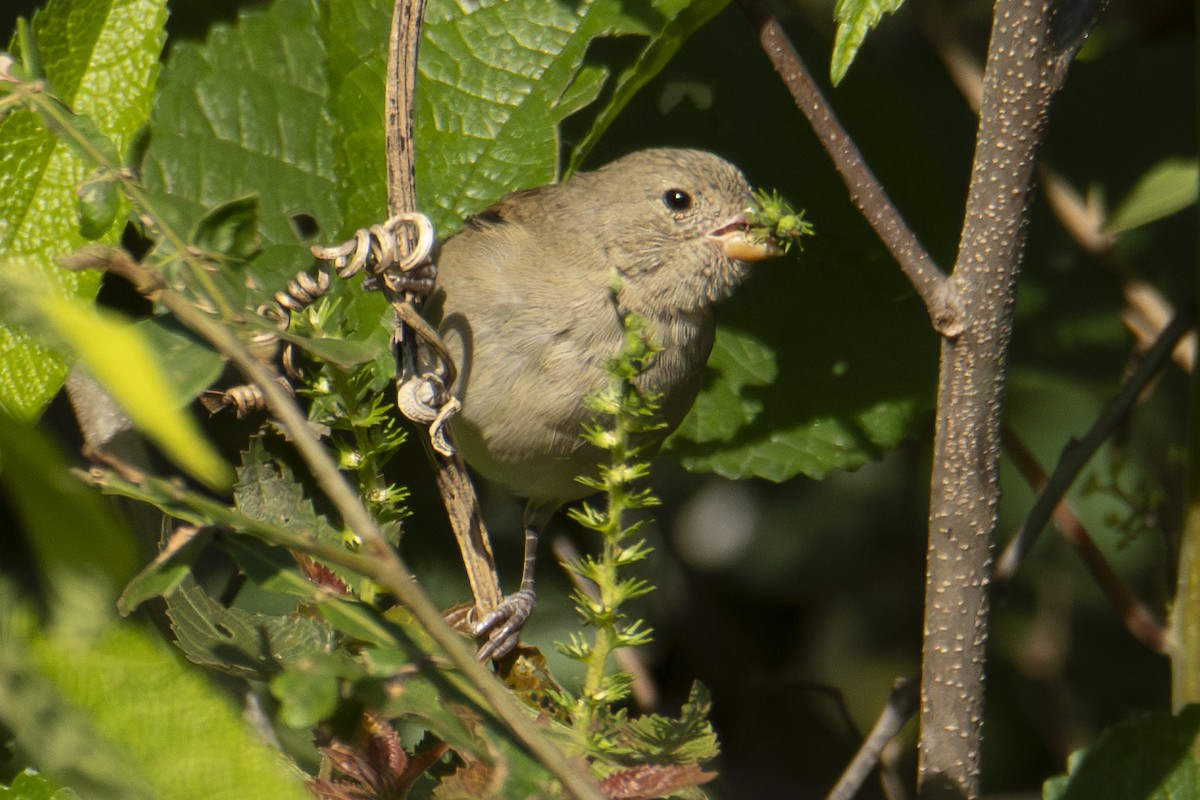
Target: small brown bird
x=525, y=306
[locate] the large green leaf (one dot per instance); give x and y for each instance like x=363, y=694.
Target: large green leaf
x=356, y=41
x=494, y=84
x=1150, y=758
x=114, y=713
x=245, y=113
x=827, y=400
x=495, y=81
x=101, y=58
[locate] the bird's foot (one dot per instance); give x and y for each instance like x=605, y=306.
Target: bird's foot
x=502, y=626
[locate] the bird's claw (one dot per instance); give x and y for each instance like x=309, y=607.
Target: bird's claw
x=502, y=626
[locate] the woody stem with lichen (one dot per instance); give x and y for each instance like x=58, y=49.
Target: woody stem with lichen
x=1026, y=65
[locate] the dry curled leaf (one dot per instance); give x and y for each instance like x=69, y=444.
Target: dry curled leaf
x=376, y=767
x=649, y=781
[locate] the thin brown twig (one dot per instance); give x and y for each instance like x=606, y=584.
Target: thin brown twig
x=454, y=482
x=901, y=704
x=1078, y=452
x=866, y=192
x=1138, y=619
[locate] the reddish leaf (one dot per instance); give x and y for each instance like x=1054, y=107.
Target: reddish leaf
x=650, y=781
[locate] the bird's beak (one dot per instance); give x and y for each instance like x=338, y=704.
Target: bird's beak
x=736, y=241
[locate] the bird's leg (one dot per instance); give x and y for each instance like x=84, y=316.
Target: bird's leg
x=502, y=626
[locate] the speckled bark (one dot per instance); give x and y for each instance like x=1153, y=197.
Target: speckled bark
x=1020, y=78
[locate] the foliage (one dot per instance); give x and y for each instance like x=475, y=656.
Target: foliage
x=1163, y=763
x=855, y=19
x=102, y=60
x=309, y=626
x=270, y=129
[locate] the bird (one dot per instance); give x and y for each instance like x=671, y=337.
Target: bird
x=524, y=301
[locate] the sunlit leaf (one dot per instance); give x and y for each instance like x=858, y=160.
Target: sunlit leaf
x=495, y=82
x=123, y=362
x=855, y=19
x=124, y=694
x=1168, y=187
x=101, y=59
x=1150, y=757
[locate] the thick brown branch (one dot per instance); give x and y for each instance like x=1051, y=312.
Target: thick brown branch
x=866, y=192
x=1147, y=310
x=1024, y=69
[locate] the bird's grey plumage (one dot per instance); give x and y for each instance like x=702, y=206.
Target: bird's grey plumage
x=524, y=305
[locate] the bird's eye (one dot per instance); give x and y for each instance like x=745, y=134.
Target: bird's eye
x=677, y=199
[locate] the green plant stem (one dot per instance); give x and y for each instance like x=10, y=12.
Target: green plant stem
x=605, y=639
x=596, y=692
x=1185, y=611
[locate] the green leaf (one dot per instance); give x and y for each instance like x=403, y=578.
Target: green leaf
x=344, y=353
x=678, y=21
x=245, y=113
x=99, y=201
x=740, y=363
x=1149, y=757
x=189, y=365
x=855, y=18
x=308, y=692
x=67, y=527
x=240, y=642
x=690, y=739
x=230, y=229
x=267, y=491
x=31, y=786
x=101, y=59
x=167, y=571
x=124, y=362
x=842, y=392
x=1169, y=186
x=98, y=711
x=494, y=84
x=356, y=39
